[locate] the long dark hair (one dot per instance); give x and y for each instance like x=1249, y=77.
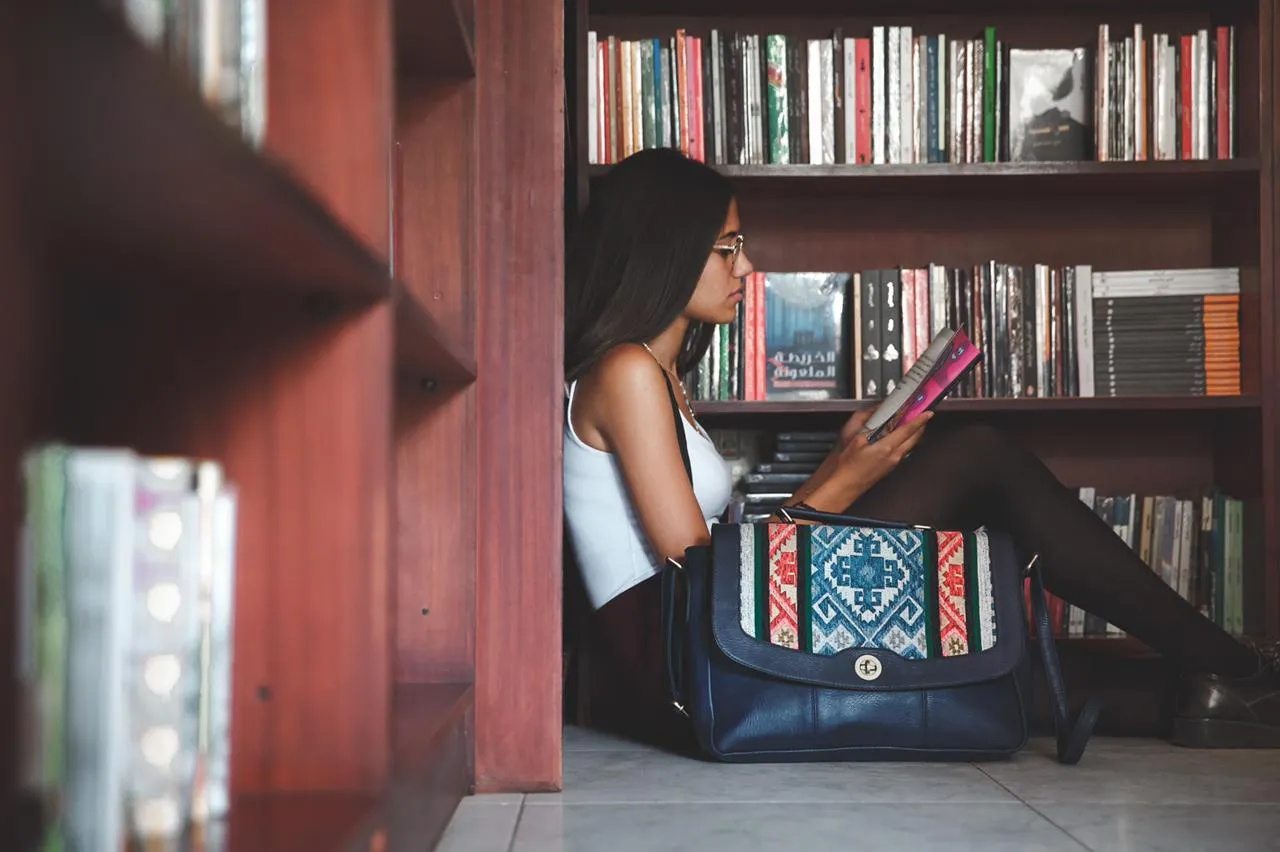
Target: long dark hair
x=637, y=254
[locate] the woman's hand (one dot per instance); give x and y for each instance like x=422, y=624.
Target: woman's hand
x=860, y=464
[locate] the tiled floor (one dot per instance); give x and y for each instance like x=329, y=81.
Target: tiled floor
x=1125, y=795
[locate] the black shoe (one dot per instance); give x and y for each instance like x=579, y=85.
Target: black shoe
x=1231, y=712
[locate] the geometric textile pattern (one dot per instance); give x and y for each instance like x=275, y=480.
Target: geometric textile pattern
x=784, y=628
x=867, y=588
x=825, y=589
x=953, y=633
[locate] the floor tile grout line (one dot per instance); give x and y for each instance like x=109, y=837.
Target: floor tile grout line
x=515, y=829
x=1053, y=823
x=1032, y=807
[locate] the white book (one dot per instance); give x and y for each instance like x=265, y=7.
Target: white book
x=1084, y=329
x=850, y=84
x=906, y=97
x=816, y=102
x=879, y=88
x=99, y=530
x=593, y=109
x=893, y=118
x=827, y=128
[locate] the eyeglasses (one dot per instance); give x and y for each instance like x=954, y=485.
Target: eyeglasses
x=732, y=249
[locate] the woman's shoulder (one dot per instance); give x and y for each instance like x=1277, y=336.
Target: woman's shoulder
x=627, y=371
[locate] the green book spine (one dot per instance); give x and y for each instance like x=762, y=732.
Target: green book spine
x=722, y=341
x=779, y=144
x=648, y=137
x=989, y=98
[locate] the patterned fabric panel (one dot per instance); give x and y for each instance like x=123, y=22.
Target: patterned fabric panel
x=824, y=589
x=953, y=620
x=867, y=588
x=784, y=627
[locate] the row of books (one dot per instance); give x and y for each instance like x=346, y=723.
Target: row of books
x=1196, y=544
x=125, y=646
x=217, y=46
x=1044, y=331
x=901, y=97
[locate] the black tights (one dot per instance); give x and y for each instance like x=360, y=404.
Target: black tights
x=973, y=475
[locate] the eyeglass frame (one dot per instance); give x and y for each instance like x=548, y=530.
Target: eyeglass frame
x=731, y=251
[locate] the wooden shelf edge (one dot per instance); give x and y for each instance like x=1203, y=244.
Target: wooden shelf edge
x=779, y=408
x=166, y=191
x=424, y=351
x=434, y=38
x=942, y=171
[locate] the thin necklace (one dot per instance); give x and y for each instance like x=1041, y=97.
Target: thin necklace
x=679, y=384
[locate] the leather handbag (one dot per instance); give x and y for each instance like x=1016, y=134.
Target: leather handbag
x=884, y=669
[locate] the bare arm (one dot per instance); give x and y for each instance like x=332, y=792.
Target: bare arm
x=855, y=465
x=631, y=410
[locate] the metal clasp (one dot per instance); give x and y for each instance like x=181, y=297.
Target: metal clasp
x=680, y=708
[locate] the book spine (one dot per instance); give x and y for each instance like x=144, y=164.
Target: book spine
x=880, y=95
x=779, y=141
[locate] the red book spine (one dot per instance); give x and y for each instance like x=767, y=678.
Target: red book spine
x=862, y=56
x=698, y=138
x=749, y=340
x=1224, y=92
x=1188, y=98
x=762, y=351
x=923, y=337
x=908, y=319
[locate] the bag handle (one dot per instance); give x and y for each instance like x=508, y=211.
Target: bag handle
x=1071, y=736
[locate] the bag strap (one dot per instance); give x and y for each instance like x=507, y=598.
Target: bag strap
x=673, y=580
x=1071, y=736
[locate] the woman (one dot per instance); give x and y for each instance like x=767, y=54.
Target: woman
x=659, y=259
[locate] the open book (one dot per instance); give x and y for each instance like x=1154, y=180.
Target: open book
x=949, y=357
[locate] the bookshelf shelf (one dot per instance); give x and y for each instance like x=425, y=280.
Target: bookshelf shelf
x=901, y=10
x=126, y=206
x=1164, y=177
x=435, y=38
x=728, y=411
x=424, y=350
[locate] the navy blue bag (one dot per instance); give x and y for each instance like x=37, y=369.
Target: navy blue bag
x=750, y=700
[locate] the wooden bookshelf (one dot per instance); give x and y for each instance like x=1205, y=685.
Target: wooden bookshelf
x=1165, y=179
x=1113, y=215
x=327, y=317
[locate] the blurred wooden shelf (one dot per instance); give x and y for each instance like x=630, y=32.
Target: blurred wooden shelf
x=435, y=38
x=167, y=195
x=734, y=410
x=425, y=351
x=431, y=775
x=1151, y=177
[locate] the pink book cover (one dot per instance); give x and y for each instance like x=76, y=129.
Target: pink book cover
x=949, y=370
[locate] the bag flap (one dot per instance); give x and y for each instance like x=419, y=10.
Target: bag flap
x=887, y=670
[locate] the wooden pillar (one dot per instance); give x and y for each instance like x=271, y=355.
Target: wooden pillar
x=520, y=123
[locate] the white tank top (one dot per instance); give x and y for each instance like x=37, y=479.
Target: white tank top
x=608, y=540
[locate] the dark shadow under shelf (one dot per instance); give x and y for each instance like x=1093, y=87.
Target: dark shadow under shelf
x=424, y=351
x=435, y=38
x=735, y=412
x=1106, y=179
